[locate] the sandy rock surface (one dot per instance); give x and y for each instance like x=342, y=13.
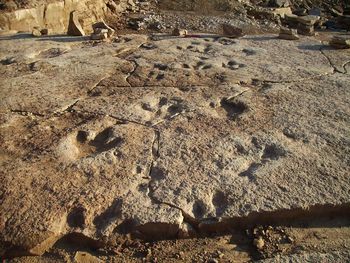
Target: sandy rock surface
x=163, y=138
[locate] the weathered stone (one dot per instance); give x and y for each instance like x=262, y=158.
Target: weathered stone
x=74, y=27
x=101, y=31
x=288, y=36
x=340, y=41
x=179, y=32
x=232, y=31
x=103, y=25
x=259, y=243
x=44, y=31
x=282, y=11
x=85, y=257
x=55, y=15
x=291, y=20
x=308, y=20
x=288, y=31
x=99, y=36
x=36, y=32
x=279, y=3
x=300, y=12
x=136, y=23
x=307, y=30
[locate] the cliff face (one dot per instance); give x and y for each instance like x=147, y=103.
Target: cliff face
x=55, y=15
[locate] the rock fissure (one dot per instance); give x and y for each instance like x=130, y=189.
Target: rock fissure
x=68, y=108
x=24, y=112
x=98, y=83
x=345, y=67
x=132, y=71
x=335, y=70
x=171, y=139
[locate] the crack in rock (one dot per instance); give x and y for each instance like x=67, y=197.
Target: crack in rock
x=335, y=70
x=132, y=71
x=24, y=112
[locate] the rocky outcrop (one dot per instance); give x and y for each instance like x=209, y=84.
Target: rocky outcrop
x=55, y=16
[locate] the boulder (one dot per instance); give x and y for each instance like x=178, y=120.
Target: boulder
x=304, y=24
x=291, y=20
x=232, y=31
x=74, y=27
x=340, y=41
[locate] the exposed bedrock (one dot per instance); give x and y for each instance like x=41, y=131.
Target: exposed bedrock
x=185, y=138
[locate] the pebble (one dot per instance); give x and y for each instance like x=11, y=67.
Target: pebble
x=36, y=32
x=259, y=243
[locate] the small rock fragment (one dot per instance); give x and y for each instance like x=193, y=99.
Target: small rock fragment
x=288, y=34
x=340, y=41
x=179, y=32
x=99, y=36
x=36, y=32
x=74, y=27
x=306, y=30
x=102, y=25
x=44, y=31
x=136, y=23
x=101, y=31
x=259, y=243
x=290, y=239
